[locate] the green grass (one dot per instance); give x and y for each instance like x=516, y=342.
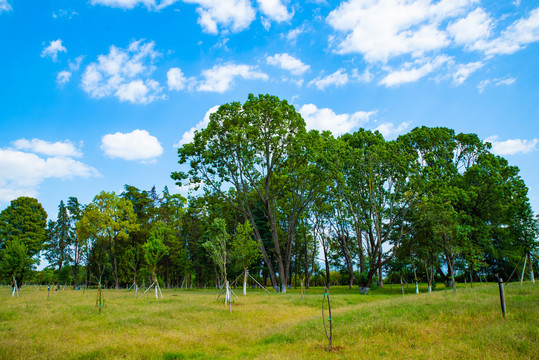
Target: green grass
x=193, y=325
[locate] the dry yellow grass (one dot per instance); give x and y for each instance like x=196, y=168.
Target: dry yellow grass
x=193, y=325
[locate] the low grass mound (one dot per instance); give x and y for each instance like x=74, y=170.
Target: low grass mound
x=192, y=325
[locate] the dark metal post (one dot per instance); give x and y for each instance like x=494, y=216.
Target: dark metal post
x=502, y=296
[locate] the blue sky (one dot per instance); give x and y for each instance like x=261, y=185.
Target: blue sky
x=96, y=94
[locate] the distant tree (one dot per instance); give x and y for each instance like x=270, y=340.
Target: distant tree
x=109, y=218
x=75, y=210
x=61, y=236
x=154, y=249
x=245, y=249
x=15, y=262
x=22, y=229
x=216, y=245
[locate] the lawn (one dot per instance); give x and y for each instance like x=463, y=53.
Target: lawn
x=192, y=325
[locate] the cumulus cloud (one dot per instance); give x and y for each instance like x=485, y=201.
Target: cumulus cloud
x=293, y=34
x=124, y=73
x=381, y=30
x=74, y=65
x=275, y=10
x=60, y=148
x=475, y=26
x=176, y=80
x=287, y=62
x=4, y=6
x=364, y=77
x=22, y=172
x=189, y=135
x=338, y=78
x=512, y=146
x=221, y=77
x=235, y=15
x=389, y=130
x=463, y=71
x=411, y=72
x=327, y=119
x=63, y=77
x=514, y=38
x=53, y=49
x=137, y=145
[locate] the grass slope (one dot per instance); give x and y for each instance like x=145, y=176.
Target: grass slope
x=193, y=325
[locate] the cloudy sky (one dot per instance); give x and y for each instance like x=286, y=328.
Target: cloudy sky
x=95, y=94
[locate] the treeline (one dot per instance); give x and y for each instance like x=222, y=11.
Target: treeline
x=430, y=205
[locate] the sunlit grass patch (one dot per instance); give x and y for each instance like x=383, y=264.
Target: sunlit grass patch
x=194, y=325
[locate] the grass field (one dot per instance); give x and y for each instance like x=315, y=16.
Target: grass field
x=192, y=325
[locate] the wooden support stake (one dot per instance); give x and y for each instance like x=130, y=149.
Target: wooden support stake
x=532, y=278
x=523, y=270
x=148, y=289
x=402, y=288
x=502, y=295
x=263, y=287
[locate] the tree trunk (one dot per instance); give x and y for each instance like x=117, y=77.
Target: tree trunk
x=245, y=282
x=278, y=255
x=532, y=277
x=265, y=255
x=76, y=265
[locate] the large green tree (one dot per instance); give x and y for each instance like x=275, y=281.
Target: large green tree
x=60, y=238
x=248, y=146
x=22, y=231
x=110, y=219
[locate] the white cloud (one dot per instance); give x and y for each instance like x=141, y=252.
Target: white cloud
x=519, y=34
x=388, y=130
x=136, y=145
x=4, y=6
x=60, y=148
x=68, y=14
x=74, y=65
x=235, y=15
x=475, y=26
x=411, y=72
x=124, y=73
x=63, y=77
x=496, y=82
x=130, y=4
x=506, y=81
x=139, y=92
x=326, y=119
x=287, y=62
x=464, y=71
x=21, y=173
x=338, y=78
x=293, y=34
x=53, y=49
x=512, y=146
x=124, y=4
x=188, y=136
x=381, y=30
x=275, y=10
x=221, y=77
x=364, y=77
x=176, y=80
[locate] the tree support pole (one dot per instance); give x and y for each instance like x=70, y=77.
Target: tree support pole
x=523, y=270
x=502, y=295
x=532, y=278
x=258, y=283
